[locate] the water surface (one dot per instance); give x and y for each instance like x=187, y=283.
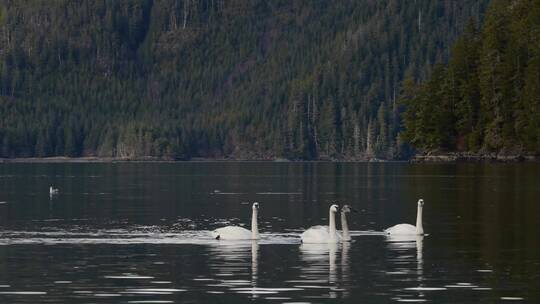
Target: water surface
x=139, y=233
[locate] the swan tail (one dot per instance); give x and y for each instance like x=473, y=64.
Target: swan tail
x=215, y=234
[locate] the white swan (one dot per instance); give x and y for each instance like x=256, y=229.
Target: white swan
x=408, y=229
x=345, y=234
x=239, y=233
x=53, y=191
x=323, y=234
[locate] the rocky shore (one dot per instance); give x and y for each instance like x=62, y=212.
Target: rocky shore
x=86, y=159
x=418, y=158
x=472, y=157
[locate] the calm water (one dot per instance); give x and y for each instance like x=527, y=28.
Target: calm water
x=138, y=233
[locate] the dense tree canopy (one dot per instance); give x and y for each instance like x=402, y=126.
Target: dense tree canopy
x=487, y=99
x=239, y=79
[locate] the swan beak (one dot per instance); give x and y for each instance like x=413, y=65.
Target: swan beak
x=354, y=210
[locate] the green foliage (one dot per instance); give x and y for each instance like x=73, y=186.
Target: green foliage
x=215, y=78
x=487, y=98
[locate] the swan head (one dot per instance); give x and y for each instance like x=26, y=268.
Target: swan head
x=255, y=206
x=420, y=203
x=334, y=208
x=346, y=209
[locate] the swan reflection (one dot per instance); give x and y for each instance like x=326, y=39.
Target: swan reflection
x=345, y=268
x=235, y=264
x=403, y=245
x=254, y=263
x=322, y=267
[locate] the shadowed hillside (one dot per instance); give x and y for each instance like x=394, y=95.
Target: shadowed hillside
x=211, y=78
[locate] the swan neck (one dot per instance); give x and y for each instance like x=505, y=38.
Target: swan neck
x=332, y=225
x=345, y=226
x=254, y=225
x=419, y=227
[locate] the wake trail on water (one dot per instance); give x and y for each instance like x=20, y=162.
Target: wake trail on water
x=126, y=237
x=115, y=236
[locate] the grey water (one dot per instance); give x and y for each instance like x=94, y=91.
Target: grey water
x=139, y=233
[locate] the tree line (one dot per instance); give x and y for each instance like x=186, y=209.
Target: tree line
x=487, y=98
x=245, y=79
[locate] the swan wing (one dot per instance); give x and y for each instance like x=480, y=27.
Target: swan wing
x=318, y=235
x=232, y=233
x=401, y=229
x=315, y=235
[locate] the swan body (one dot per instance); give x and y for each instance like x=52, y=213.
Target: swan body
x=53, y=190
x=408, y=229
x=239, y=233
x=401, y=229
x=323, y=234
x=232, y=233
x=319, y=235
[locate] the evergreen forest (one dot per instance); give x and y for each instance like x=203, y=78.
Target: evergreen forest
x=257, y=79
x=486, y=99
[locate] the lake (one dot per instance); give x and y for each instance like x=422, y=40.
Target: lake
x=139, y=233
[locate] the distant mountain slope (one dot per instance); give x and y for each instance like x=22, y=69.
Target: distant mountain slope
x=487, y=99
x=214, y=78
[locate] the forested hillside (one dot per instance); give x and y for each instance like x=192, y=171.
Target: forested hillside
x=247, y=79
x=487, y=98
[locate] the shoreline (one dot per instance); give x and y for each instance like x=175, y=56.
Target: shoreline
x=420, y=158
x=95, y=159
x=463, y=157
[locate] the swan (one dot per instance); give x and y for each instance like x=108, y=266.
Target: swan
x=239, y=233
x=408, y=229
x=53, y=190
x=323, y=234
x=345, y=234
